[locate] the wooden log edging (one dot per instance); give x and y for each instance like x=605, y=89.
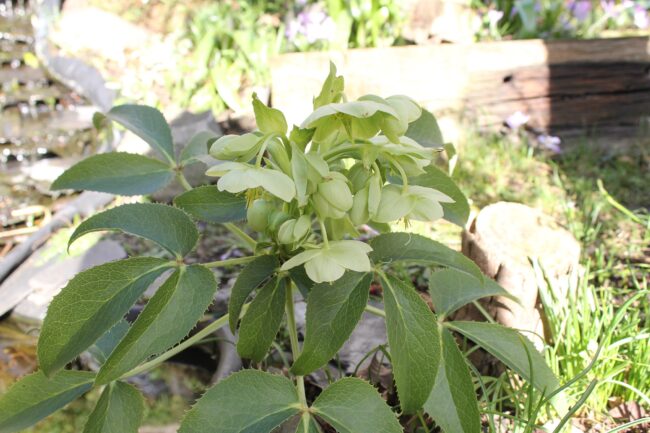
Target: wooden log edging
x=566, y=87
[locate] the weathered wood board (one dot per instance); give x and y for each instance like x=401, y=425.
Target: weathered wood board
x=566, y=87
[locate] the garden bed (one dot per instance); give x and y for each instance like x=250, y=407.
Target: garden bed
x=568, y=88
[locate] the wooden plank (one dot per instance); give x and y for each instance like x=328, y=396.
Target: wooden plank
x=562, y=85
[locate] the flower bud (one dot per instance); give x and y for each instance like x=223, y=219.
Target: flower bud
x=258, y=214
x=333, y=198
x=359, y=212
x=241, y=148
x=294, y=230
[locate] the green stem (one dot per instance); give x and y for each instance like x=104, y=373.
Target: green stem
x=376, y=311
x=229, y=262
x=183, y=180
x=423, y=422
x=260, y=154
x=232, y=228
x=249, y=241
x=402, y=173
x=217, y=324
x=295, y=347
x=339, y=150
x=324, y=233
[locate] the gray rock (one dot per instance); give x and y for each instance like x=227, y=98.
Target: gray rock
x=32, y=286
x=369, y=333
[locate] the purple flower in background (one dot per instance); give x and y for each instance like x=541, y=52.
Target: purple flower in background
x=609, y=7
x=580, y=9
x=550, y=142
x=312, y=23
x=494, y=16
x=641, y=19
x=517, y=119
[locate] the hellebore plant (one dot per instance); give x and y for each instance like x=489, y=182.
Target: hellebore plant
x=350, y=168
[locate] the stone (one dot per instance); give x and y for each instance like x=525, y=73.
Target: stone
x=369, y=333
x=503, y=239
x=30, y=289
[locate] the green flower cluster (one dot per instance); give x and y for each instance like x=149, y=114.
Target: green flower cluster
x=347, y=165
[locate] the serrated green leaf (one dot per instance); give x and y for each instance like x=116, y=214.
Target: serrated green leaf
x=119, y=410
x=333, y=311
x=91, y=304
x=34, y=397
x=116, y=173
x=392, y=247
x=207, y=203
x=168, y=317
x=261, y=322
x=103, y=347
x=332, y=90
x=352, y=405
x=513, y=349
x=250, y=401
x=197, y=148
x=269, y=120
x=451, y=289
x=452, y=402
x=456, y=212
x=300, y=136
x=425, y=130
x=169, y=227
x=248, y=280
x=414, y=343
x=148, y=124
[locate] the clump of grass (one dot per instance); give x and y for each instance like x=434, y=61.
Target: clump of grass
x=603, y=199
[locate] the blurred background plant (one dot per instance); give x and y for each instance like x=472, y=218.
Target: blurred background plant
x=223, y=51
x=549, y=19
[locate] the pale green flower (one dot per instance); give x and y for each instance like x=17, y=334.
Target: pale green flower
x=328, y=263
x=418, y=203
x=236, y=177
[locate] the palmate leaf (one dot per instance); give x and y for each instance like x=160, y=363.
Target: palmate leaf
x=250, y=278
x=452, y=403
x=35, y=396
x=261, y=322
x=391, y=247
x=168, y=317
x=513, y=349
x=119, y=410
x=333, y=311
x=456, y=212
x=249, y=401
x=451, y=289
x=148, y=124
x=414, y=343
x=207, y=203
x=352, y=405
x=116, y=173
x=91, y=304
x=169, y=227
